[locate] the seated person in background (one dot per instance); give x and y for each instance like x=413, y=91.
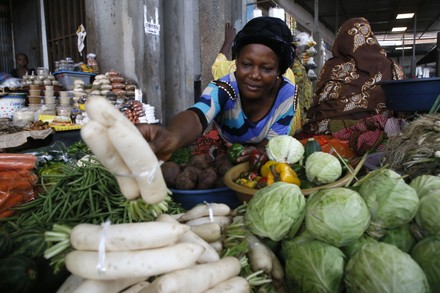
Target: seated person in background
x=222, y=66
x=22, y=63
x=347, y=90
x=248, y=106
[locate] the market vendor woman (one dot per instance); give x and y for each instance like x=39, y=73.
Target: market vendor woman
x=248, y=106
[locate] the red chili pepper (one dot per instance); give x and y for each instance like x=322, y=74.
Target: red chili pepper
x=261, y=183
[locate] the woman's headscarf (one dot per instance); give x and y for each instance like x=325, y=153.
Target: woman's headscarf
x=347, y=86
x=271, y=32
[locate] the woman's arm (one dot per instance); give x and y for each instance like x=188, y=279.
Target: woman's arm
x=183, y=129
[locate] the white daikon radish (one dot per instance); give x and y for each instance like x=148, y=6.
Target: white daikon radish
x=198, y=278
x=232, y=285
x=217, y=245
x=132, y=147
x=209, y=255
x=126, y=236
x=201, y=210
x=209, y=232
x=223, y=221
x=96, y=137
x=259, y=255
x=137, y=288
x=106, y=286
x=133, y=264
x=70, y=284
x=140, y=159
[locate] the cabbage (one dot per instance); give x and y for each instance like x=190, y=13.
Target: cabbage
x=426, y=184
x=391, y=201
x=350, y=249
x=427, y=254
x=273, y=210
x=285, y=148
x=382, y=267
x=400, y=237
x=313, y=266
x=322, y=168
x=337, y=216
x=428, y=215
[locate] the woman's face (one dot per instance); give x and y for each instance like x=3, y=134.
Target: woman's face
x=21, y=61
x=257, y=71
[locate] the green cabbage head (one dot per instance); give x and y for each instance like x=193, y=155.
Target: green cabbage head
x=322, y=168
x=426, y=184
x=427, y=254
x=400, y=237
x=273, y=210
x=428, y=215
x=313, y=266
x=382, y=267
x=392, y=202
x=285, y=148
x=337, y=216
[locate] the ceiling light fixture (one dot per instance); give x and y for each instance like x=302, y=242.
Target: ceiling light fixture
x=399, y=29
x=404, y=15
x=402, y=48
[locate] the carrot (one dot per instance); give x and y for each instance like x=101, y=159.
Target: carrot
x=6, y=213
x=96, y=137
x=16, y=198
x=209, y=232
x=209, y=255
x=234, y=284
x=15, y=184
x=17, y=179
x=133, y=264
x=12, y=161
x=107, y=286
x=223, y=221
x=198, y=278
x=129, y=236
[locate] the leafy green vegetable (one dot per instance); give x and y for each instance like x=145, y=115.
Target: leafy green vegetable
x=274, y=209
x=337, y=216
x=391, y=201
x=285, y=148
x=427, y=254
x=182, y=155
x=382, y=267
x=428, y=215
x=426, y=184
x=313, y=266
x=323, y=168
x=400, y=237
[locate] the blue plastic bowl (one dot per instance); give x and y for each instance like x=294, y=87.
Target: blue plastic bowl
x=411, y=95
x=189, y=198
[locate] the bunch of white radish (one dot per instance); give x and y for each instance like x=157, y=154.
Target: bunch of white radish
x=208, y=221
x=122, y=149
x=109, y=258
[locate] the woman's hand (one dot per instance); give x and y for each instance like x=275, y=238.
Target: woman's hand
x=162, y=141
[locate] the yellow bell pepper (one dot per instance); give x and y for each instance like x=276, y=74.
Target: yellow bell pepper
x=287, y=174
x=276, y=171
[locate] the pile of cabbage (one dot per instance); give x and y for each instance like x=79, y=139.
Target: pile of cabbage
x=380, y=235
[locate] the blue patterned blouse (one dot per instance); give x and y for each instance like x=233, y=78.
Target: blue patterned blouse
x=223, y=109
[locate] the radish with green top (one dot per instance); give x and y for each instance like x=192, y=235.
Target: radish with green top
x=96, y=137
x=198, y=278
x=106, y=286
x=223, y=221
x=201, y=210
x=209, y=232
x=209, y=255
x=132, y=147
x=232, y=285
x=125, y=237
x=133, y=264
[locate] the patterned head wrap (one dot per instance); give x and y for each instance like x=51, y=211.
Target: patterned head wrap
x=271, y=32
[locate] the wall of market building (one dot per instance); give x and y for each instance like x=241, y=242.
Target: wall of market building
x=167, y=47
